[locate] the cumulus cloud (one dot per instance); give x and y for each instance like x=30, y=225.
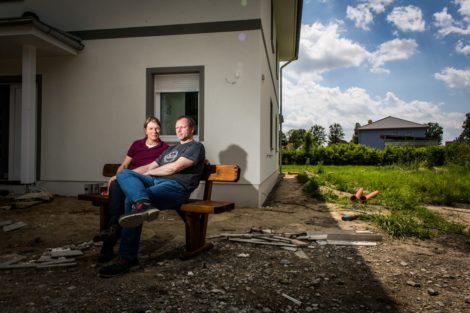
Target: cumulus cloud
x=307, y=103
x=322, y=48
x=446, y=24
x=393, y=50
x=462, y=49
x=464, y=9
x=454, y=78
x=409, y=18
x=362, y=14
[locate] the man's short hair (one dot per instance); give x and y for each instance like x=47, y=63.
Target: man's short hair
x=191, y=121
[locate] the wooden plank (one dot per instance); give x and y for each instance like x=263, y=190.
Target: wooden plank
x=221, y=173
x=14, y=226
x=257, y=241
x=207, y=206
x=109, y=170
x=354, y=237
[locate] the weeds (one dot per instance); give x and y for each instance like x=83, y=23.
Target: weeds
x=403, y=190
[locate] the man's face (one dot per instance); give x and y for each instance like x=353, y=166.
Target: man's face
x=183, y=131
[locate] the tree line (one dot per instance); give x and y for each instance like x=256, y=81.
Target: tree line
x=317, y=136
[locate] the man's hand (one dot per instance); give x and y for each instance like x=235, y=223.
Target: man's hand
x=170, y=168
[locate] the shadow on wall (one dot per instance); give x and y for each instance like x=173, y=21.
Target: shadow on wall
x=247, y=194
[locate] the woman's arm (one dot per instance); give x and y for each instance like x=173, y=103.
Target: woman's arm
x=125, y=164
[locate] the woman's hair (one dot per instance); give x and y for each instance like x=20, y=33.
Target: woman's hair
x=152, y=119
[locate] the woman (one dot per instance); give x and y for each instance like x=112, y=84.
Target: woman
x=142, y=152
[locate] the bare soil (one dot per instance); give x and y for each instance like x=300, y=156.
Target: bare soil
x=405, y=275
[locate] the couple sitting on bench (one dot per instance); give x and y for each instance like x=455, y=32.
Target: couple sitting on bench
x=152, y=176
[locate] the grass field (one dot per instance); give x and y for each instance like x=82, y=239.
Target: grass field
x=403, y=190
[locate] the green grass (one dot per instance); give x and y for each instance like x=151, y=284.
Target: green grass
x=403, y=190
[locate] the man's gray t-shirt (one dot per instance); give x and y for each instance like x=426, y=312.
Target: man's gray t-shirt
x=194, y=151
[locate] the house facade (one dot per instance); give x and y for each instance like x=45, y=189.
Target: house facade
x=392, y=131
x=77, y=80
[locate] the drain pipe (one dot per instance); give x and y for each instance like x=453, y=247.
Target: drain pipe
x=281, y=117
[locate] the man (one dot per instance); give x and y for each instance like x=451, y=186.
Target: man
x=164, y=184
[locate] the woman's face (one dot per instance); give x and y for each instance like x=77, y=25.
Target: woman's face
x=152, y=131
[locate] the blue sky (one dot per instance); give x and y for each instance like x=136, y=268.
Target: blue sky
x=369, y=59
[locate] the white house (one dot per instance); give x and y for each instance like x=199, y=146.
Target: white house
x=78, y=78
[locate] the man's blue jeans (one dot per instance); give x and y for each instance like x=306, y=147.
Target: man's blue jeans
x=163, y=193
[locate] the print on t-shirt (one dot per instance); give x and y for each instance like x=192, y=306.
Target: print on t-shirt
x=170, y=157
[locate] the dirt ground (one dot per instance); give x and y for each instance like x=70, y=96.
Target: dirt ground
x=394, y=276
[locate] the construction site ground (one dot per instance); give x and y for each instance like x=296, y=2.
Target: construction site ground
x=396, y=275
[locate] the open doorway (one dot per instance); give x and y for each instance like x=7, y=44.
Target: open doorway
x=10, y=132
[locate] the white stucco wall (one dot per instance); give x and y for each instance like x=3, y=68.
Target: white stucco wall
x=93, y=104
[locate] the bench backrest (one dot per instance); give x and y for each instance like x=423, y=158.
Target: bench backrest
x=212, y=173
x=218, y=173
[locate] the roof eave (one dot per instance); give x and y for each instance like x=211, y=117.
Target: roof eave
x=288, y=17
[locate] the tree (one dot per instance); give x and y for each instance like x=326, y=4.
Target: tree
x=318, y=135
x=355, y=137
x=296, y=137
x=336, y=134
x=465, y=135
x=434, y=131
x=283, y=139
x=308, y=142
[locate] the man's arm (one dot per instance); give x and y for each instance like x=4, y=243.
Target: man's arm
x=170, y=168
x=145, y=168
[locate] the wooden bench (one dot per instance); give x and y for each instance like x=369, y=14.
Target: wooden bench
x=195, y=212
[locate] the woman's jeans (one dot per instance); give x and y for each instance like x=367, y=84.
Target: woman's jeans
x=163, y=193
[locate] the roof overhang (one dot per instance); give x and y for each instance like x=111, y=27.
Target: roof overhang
x=288, y=16
x=49, y=41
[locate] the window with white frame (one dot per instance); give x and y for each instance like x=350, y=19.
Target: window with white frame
x=175, y=95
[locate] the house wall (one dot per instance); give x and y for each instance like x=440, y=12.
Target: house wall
x=93, y=104
x=372, y=138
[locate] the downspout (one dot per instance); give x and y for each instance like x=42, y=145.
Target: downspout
x=281, y=117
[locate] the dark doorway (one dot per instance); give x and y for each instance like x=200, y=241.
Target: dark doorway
x=4, y=130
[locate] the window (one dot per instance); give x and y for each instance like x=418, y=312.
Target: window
x=175, y=92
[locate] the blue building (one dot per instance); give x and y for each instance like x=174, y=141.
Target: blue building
x=392, y=131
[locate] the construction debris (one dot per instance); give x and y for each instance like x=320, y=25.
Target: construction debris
x=13, y=226
x=332, y=237
x=297, y=302
x=55, y=257
x=42, y=195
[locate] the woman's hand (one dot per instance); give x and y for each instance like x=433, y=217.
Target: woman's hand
x=111, y=180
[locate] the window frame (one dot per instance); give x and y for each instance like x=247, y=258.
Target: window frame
x=150, y=94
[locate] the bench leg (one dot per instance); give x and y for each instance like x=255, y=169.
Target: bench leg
x=196, y=226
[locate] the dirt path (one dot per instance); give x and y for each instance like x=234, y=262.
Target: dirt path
x=395, y=276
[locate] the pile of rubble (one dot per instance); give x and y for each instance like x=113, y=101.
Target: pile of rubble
x=55, y=257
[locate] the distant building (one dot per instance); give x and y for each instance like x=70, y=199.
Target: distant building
x=392, y=131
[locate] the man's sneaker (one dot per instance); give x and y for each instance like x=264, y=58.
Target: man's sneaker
x=141, y=211
x=120, y=267
x=110, y=234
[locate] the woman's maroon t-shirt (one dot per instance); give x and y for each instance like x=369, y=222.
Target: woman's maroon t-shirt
x=143, y=155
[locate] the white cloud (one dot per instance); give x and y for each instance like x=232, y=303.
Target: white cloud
x=362, y=14
x=323, y=48
x=447, y=25
x=464, y=9
x=462, y=49
x=454, y=78
x=409, y=18
x=393, y=50
x=307, y=103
